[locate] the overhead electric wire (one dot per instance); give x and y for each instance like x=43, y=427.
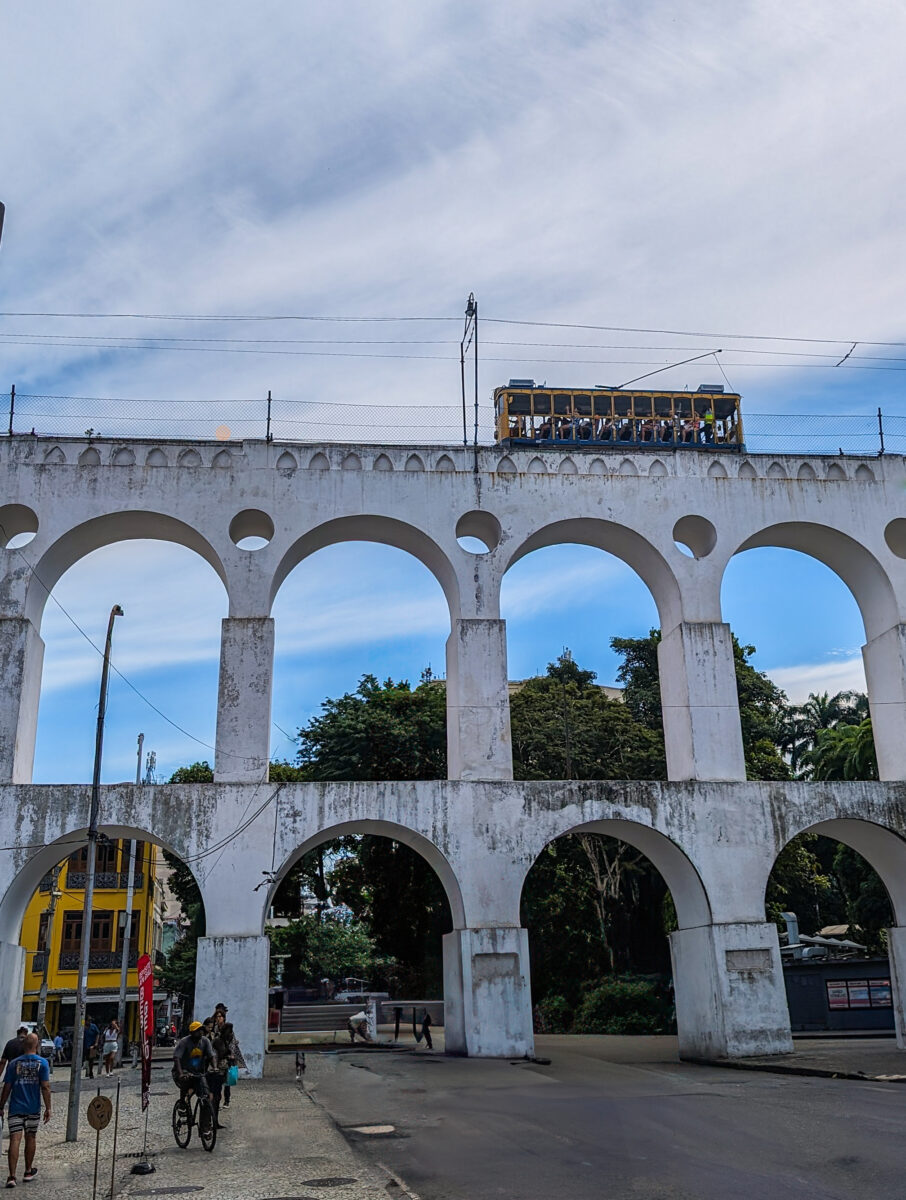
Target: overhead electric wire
x=265, y=317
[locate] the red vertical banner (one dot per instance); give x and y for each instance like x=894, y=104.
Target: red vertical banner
x=146, y=1022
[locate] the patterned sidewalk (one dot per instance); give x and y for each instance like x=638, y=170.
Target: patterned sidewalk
x=278, y=1144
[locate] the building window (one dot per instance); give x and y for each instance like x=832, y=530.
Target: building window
x=101, y=929
x=72, y=931
x=105, y=858
x=121, y=929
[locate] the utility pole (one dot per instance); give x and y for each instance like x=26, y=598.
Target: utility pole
x=55, y=894
x=75, y=1075
x=127, y=924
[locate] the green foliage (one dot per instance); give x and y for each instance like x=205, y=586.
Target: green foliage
x=564, y=727
x=330, y=948
x=762, y=705
x=868, y=908
x=198, y=772
x=380, y=731
x=625, y=1005
x=843, y=752
x=177, y=975
x=799, y=884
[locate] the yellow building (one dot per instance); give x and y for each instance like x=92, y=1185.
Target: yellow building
x=107, y=934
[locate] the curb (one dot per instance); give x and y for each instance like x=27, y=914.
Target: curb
x=783, y=1069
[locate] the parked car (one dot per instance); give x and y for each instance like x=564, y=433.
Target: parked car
x=46, y=1047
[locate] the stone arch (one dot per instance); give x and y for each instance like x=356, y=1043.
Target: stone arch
x=123, y=457
x=537, y=466
x=222, y=459
x=806, y=471
x=689, y=895
x=383, y=463
x=156, y=458
x=747, y=471
x=27, y=878
x=567, y=467
x=91, y=535
x=628, y=467
x=717, y=470
x=836, y=472
x=319, y=462
x=54, y=457
x=506, y=466
x=657, y=469
x=856, y=566
x=416, y=841
x=286, y=462
x=371, y=528
x=776, y=471
x=864, y=474
x=445, y=463
x=644, y=558
x=351, y=462
x=89, y=458
x=414, y=463
x=190, y=458
x=880, y=846
x=597, y=467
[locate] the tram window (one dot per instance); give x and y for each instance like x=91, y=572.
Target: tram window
x=663, y=406
x=723, y=406
x=542, y=404
x=562, y=404
x=520, y=404
x=642, y=406
x=683, y=406
x=603, y=406
x=583, y=405
x=622, y=405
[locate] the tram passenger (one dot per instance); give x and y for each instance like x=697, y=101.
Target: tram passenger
x=606, y=430
x=545, y=430
x=584, y=430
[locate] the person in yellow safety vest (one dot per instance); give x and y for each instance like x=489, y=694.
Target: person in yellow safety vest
x=709, y=426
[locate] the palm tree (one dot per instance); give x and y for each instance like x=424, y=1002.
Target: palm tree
x=844, y=752
x=820, y=713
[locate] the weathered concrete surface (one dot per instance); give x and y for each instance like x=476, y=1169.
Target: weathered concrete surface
x=714, y=843
x=712, y=836
x=235, y=971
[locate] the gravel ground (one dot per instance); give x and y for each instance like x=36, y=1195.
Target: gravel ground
x=279, y=1144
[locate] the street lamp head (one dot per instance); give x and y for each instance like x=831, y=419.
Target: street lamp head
x=116, y=611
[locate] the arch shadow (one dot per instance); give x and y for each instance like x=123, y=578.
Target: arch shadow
x=387, y=829
x=638, y=553
x=857, y=567
x=15, y=900
x=387, y=531
x=683, y=880
x=882, y=849
x=92, y=535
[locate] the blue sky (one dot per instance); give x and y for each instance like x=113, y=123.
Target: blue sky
x=682, y=166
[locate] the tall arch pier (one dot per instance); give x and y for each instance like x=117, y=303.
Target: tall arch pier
x=713, y=835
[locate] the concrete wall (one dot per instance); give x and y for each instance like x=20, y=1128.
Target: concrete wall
x=713, y=836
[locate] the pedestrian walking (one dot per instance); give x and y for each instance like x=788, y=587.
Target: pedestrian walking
x=58, y=1048
x=14, y=1048
x=27, y=1082
x=234, y=1059
x=426, y=1029
x=111, y=1045
x=90, y=1035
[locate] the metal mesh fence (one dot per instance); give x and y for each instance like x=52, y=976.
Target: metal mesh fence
x=313, y=420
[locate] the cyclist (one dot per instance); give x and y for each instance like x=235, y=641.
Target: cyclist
x=193, y=1057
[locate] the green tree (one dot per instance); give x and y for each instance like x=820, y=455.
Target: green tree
x=380, y=731
x=843, y=752
x=331, y=948
x=762, y=705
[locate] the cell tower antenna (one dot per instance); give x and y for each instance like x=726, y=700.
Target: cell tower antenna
x=151, y=767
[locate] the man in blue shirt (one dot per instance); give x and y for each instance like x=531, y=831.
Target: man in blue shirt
x=27, y=1081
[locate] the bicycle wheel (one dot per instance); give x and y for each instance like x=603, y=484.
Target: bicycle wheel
x=207, y=1128
x=182, y=1123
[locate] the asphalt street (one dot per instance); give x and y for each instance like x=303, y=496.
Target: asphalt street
x=613, y=1118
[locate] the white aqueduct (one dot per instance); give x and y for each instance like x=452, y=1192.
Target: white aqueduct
x=713, y=836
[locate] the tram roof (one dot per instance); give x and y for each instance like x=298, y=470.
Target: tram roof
x=529, y=385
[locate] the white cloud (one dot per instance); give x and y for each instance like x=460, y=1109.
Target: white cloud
x=836, y=675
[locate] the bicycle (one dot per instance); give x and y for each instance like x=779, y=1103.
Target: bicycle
x=186, y=1115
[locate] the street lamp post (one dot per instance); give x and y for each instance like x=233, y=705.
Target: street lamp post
x=55, y=895
x=127, y=923
x=75, y=1076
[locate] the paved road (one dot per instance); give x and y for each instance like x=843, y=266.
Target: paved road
x=615, y=1118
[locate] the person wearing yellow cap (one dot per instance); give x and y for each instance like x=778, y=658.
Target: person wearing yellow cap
x=193, y=1057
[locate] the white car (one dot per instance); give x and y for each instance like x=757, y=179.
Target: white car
x=46, y=1047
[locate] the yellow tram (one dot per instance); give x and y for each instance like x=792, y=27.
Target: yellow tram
x=530, y=414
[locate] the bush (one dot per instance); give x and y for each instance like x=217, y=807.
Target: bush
x=625, y=1005
x=553, y=1014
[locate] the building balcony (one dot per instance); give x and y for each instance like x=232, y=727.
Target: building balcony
x=103, y=881
x=98, y=960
